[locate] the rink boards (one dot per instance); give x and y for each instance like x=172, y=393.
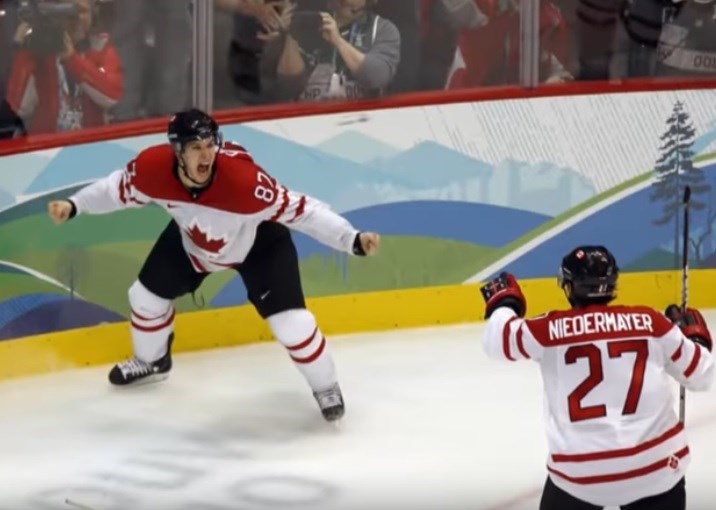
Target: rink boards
x=370, y=311
x=465, y=189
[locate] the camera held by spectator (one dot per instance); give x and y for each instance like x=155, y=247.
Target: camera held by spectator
x=44, y=25
x=344, y=52
x=65, y=74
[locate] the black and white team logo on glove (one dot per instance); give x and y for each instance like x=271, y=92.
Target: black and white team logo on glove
x=503, y=291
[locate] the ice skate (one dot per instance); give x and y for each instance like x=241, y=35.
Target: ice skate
x=136, y=371
x=331, y=403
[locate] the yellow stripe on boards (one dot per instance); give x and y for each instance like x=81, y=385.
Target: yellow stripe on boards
x=369, y=311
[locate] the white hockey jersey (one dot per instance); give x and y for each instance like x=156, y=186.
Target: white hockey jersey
x=612, y=431
x=218, y=224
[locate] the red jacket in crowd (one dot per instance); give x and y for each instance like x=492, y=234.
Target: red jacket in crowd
x=489, y=55
x=93, y=84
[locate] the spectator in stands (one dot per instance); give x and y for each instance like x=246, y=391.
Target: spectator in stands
x=11, y=125
x=246, y=50
x=9, y=122
x=442, y=22
x=596, y=24
x=64, y=76
x=405, y=15
x=154, y=42
x=490, y=54
x=643, y=21
x=687, y=42
x=8, y=22
x=347, y=52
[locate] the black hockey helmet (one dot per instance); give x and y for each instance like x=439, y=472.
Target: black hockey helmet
x=591, y=272
x=190, y=125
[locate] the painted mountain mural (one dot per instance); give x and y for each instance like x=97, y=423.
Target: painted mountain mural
x=541, y=187
x=357, y=147
x=6, y=199
x=430, y=164
x=87, y=162
x=340, y=182
x=434, y=242
x=444, y=215
x=20, y=170
x=348, y=184
x=706, y=142
x=446, y=174
x=627, y=228
x=427, y=171
x=35, y=205
x=35, y=314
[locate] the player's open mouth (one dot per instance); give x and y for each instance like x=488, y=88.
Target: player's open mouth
x=204, y=169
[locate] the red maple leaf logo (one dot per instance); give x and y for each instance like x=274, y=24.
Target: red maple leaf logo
x=202, y=240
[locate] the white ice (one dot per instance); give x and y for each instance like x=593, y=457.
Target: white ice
x=431, y=423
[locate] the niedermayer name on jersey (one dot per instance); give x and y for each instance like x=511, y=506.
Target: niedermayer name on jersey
x=592, y=323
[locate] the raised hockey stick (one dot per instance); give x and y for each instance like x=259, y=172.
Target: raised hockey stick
x=684, y=286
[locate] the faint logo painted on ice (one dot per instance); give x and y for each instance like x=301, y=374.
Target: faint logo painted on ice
x=215, y=469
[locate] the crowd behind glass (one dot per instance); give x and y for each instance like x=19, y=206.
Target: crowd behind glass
x=73, y=64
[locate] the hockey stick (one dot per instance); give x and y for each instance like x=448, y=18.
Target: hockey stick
x=684, y=287
x=80, y=506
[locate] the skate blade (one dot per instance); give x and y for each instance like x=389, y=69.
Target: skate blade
x=335, y=423
x=75, y=504
x=150, y=379
x=335, y=427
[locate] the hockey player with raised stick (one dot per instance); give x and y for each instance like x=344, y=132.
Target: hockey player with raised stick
x=613, y=434
x=227, y=213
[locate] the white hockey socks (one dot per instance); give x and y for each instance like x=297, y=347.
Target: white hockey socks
x=298, y=332
x=152, y=322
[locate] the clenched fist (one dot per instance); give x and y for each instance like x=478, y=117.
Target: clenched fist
x=59, y=211
x=370, y=242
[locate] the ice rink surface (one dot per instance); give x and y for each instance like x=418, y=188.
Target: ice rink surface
x=431, y=423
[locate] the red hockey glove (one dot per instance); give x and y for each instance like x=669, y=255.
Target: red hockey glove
x=503, y=291
x=692, y=325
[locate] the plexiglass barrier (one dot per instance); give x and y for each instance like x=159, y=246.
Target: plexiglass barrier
x=75, y=64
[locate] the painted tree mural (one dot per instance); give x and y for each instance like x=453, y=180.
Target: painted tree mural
x=674, y=169
x=704, y=237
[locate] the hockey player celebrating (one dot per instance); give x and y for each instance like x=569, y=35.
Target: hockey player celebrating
x=614, y=438
x=227, y=212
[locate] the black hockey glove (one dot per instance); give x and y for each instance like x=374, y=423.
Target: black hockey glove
x=503, y=291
